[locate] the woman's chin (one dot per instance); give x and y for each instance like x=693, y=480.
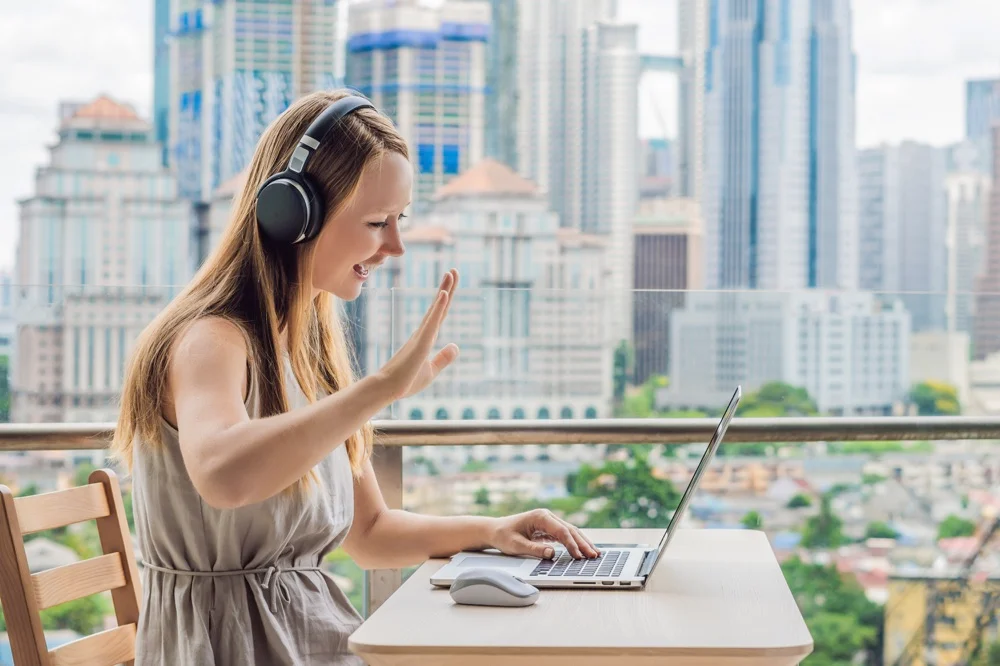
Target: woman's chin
x=347, y=292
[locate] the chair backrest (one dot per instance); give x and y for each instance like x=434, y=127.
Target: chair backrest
x=23, y=594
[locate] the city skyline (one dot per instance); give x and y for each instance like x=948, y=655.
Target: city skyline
x=900, y=69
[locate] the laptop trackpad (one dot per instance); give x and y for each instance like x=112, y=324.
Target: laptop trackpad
x=491, y=561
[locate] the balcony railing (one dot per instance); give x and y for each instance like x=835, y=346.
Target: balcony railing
x=393, y=435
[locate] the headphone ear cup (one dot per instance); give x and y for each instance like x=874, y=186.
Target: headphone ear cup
x=317, y=209
x=283, y=208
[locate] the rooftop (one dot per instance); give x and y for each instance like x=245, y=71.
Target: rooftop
x=488, y=177
x=101, y=112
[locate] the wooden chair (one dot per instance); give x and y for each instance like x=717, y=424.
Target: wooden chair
x=24, y=594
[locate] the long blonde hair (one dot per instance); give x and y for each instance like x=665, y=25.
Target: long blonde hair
x=265, y=288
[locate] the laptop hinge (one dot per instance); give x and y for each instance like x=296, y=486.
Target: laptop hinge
x=647, y=562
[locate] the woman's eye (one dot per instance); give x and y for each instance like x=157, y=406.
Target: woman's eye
x=378, y=225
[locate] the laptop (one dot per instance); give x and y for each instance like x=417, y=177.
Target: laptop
x=619, y=565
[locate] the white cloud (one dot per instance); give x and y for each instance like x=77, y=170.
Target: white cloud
x=914, y=57
x=62, y=50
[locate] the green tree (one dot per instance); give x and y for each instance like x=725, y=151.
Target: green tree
x=84, y=616
x=635, y=498
x=935, y=399
x=799, y=501
x=28, y=490
x=753, y=521
x=483, y=498
x=341, y=564
x=879, y=530
x=476, y=466
x=953, y=526
x=81, y=475
x=840, y=617
x=824, y=529
x=777, y=399
x=623, y=361
x=993, y=655
x=641, y=403
x=4, y=389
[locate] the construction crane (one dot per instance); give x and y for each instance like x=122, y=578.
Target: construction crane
x=938, y=594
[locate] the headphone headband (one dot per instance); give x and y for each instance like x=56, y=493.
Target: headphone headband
x=320, y=127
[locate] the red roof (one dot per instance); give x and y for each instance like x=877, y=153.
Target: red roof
x=488, y=177
x=106, y=108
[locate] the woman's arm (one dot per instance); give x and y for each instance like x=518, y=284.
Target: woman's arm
x=384, y=538
x=233, y=460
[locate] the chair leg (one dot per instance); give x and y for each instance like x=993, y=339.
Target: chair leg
x=24, y=624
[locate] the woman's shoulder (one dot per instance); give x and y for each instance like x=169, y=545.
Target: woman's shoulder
x=209, y=358
x=210, y=335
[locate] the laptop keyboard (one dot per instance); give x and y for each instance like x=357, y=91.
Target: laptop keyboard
x=608, y=564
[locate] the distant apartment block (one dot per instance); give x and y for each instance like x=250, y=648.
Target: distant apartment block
x=103, y=246
x=667, y=260
x=903, y=228
x=531, y=313
x=848, y=350
x=986, y=335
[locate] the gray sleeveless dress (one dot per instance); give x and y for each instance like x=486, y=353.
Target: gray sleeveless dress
x=240, y=586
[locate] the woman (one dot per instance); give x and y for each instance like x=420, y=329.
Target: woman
x=246, y=435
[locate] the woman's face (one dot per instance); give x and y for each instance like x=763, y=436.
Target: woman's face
x=364, y=232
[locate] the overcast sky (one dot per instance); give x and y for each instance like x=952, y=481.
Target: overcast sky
x=913, y=59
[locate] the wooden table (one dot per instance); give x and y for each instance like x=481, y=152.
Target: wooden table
x=717, y=597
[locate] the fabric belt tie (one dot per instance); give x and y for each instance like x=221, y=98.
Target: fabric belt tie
x=269, y=573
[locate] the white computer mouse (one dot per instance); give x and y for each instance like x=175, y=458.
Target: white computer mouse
x=492, y=587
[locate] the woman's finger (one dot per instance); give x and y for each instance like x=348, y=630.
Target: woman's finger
x=562, y=533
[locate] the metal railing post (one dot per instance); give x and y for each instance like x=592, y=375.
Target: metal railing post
x=381, y=583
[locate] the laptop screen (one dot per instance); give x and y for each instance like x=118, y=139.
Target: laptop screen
x=692, y=487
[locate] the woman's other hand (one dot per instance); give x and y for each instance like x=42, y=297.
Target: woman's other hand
x=529, y=534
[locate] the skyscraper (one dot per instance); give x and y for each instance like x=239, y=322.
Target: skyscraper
x=756, y=178
x=982, y=111
x=103, y=245
x=779, y=188
x=574, y=98
x=161, y=75
x=833, y=186
x=608, y=196
x=693, y=43
x=234, y=66
x=426, y=68
x=501, y=82
x=538, y=74
x=968, y=197
x=986, y=337
x=903, y=228
x=982, y=108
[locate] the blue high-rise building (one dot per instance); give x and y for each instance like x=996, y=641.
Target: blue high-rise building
x=425, y=67
x=982, y=107
x=161, y=75
x=779, y=190
x=233, y=67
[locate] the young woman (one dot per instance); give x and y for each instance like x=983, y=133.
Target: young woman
x=247, y=437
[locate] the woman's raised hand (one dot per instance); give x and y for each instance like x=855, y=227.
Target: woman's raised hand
x=412, y=368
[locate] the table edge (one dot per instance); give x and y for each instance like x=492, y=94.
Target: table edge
x=801, y=650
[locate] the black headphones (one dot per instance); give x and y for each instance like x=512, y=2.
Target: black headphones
x=290, y=206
